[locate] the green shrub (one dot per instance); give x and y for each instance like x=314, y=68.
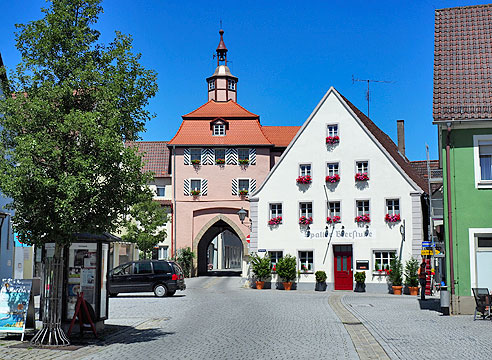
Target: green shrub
x=395, y=272
x=320, y=276
x=185, y=260
x=411, y=273
x=286, y=268
x=261, y=266
x=360, y=277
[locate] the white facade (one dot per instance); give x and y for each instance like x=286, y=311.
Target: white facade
x=162, y=190
x=387, y=180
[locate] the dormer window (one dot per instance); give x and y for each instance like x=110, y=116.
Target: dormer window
x=231, y=84
x=211, y=85
x=219, y=130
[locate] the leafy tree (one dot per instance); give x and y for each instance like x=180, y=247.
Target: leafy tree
x=145, y=227
x=185, y=260
x=62, y=155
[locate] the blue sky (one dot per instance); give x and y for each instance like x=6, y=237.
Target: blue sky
x=286, y=55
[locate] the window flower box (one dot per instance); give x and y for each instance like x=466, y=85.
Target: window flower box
x=220, y=161
x=243, y=192
x=243, y=161
x=363, y=218
x=306, y=179
x=333, y=219
x=361, y=177
x=275, y=221
x=392, y=218
x=305, y=268
x=195, y=192
x=303, y=220
x=274, y=268
x=333, y=179
x=195, y=162
x=332, y=140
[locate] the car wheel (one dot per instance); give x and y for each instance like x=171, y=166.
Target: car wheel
x=160, y=290
x=171, y=293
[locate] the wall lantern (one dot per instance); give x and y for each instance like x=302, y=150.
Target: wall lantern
x=242, y=215
x=308, y=231
x=343, y=231
x=326, y=231
x=366, y=233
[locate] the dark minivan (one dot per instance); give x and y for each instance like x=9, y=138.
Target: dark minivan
x=160, y=276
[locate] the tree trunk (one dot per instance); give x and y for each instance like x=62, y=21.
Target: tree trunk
x=51, y=334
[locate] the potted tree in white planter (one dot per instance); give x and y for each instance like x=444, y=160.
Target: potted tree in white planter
x=261, y=267
x=286, y=270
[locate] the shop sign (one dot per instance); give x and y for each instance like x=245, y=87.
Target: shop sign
x=346, y=234
x=15, y=296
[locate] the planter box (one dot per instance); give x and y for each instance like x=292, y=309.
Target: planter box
x=320, y=286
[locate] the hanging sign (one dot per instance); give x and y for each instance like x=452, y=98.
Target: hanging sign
x=14, y=303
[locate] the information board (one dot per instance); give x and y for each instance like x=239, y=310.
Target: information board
x=14, y=303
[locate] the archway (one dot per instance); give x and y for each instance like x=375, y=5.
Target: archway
x=201, y=244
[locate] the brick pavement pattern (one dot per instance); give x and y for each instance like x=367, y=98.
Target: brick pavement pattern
x=366, y=345
x=407, y=331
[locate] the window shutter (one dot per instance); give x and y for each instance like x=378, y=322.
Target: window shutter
x=235, y=183
x=231, y=156
x=187, y=156
x=252, y=185
x=204, y=187
x=252, y=156
x=208, y=156
x=186, y=187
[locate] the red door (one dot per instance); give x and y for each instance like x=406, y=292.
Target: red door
x=343, y=267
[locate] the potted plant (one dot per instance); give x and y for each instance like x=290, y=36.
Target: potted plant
x=304, y=220
x=306, y=179
x=333, y=219
x=195, y=192
x=411, y=276
x=243, y=192
x=320, y=280
x=392, y=218
x=332, y=178
x=195, y=162
x=243, y=161
x=332, y=140
x=275, y=221
x=360, y=279
x=395, y=276
x=361, y=177
x=363, y=218
x=220, y=161
x=286, y=270
x=261, y=267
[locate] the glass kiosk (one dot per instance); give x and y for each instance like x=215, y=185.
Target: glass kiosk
x=86, y=268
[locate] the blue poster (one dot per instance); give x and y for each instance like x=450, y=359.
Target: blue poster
x=14, y=302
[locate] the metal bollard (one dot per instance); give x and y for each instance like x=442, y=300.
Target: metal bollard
x=445, y=300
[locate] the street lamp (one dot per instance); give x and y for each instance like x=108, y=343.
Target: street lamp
x=242, y=215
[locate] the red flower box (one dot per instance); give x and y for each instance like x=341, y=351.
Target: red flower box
x=275, y=221
x=331, y=140
x=195, y=162
x=306, y=179
x=303, y=220
x=392, y=218
x=220, y=161
x=361, y=177
x=363, y=218
x=243, y=192
x=333, y=179
x=333, y=219
x=195, y=192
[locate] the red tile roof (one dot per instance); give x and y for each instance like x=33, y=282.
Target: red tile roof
x=463, y=63
x=389, y=145
x=224, y=109
x=241, y=132
x=280, y=136
x=155, y=156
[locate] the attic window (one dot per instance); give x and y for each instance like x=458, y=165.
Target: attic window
x=219, y=130
x=211, y=85
x=231, y=84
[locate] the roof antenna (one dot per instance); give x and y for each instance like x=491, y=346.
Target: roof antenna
x=368, y=91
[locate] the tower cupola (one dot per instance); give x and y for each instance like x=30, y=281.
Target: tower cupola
x=222, y=85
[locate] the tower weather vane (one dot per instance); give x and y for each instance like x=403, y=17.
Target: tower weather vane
x=368, y=90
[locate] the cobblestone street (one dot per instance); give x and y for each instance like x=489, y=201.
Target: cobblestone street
x=215, y=318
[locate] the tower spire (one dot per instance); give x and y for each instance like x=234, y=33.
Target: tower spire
x=221, y=49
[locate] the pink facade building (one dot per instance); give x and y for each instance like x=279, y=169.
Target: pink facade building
x=220, y=155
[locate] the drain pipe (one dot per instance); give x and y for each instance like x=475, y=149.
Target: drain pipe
x=174, y=200
x=450, y=211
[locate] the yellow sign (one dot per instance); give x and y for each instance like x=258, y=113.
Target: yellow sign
x=429, y=252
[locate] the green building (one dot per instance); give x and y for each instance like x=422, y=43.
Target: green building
x=462, y=111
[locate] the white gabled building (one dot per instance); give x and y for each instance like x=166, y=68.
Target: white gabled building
x=393, y=187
